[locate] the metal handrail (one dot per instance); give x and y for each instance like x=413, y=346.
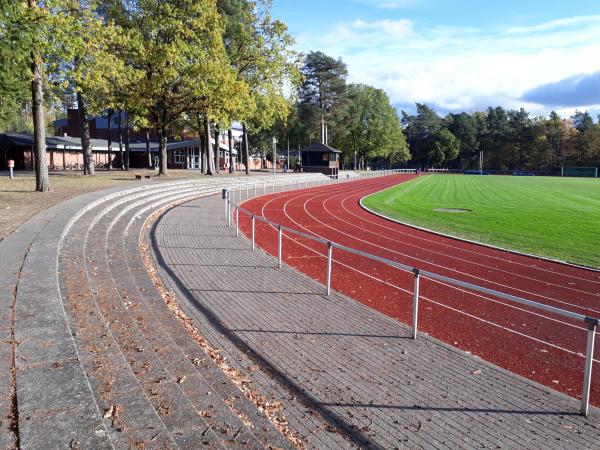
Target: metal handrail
x=592, y=322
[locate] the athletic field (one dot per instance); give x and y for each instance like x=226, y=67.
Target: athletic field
x=552, y=217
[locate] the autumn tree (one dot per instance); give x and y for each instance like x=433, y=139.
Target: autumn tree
x=260, y=53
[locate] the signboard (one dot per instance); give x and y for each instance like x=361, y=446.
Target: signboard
x=11, y=163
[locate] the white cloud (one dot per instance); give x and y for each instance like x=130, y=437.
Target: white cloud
x=462, y=68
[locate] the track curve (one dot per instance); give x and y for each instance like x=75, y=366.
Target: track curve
x=538, y=345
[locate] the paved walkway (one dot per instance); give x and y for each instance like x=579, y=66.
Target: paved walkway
x=345, y=374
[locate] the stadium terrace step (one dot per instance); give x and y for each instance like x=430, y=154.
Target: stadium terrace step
x=100, y=361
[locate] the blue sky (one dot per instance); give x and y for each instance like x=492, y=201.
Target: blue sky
x=460, y=54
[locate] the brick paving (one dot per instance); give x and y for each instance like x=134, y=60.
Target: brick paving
x=347, y=375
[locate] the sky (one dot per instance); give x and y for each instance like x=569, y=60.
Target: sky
x=460, y=55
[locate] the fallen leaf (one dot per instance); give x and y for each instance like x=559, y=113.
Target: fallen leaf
x=109, y=412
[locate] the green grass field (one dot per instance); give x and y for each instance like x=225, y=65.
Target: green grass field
x=552, y=217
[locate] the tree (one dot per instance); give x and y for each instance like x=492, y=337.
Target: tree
x=421, y=131
x=584, y=124
x=371, y=126
x=520, y=130
x=23, y=29
x=177, y=47
x=259, y=51
x=467, y=129
x=42, y=181
x=445, y=148
x=322, y=89
x=15, y=75
x=495, y=139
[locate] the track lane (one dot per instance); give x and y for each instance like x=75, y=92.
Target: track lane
x=519, y=342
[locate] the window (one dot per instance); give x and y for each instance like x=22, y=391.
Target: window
x=180, y=156
x=325, y=156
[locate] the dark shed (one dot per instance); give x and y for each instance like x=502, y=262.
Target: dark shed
x=321, y=158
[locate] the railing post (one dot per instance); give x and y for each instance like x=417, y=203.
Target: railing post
x=253, y=234
x=228, y=214
x=415, y=302
x=237, y=221
x=279, y=256
x=589, y=362
x=329, y=260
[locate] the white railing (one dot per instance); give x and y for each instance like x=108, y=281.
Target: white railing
x=264, y=187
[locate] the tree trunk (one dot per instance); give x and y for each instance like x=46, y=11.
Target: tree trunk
x=148, y=152
x=202, y=153
x=217, y=150
x=84, y=127
x=109, y=126
x=230, y=140
x=162, y=152
x=42, y=182
x=210, y=169
x=127, y=125
x=120, y=125
x=246, y=149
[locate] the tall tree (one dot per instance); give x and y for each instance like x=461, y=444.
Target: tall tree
x=177, y=46
x=323, y=87
x=371, y=126
x=445, y=148
x=421, y=131
x=42, y=181
x=260, y=53
x=467, y=129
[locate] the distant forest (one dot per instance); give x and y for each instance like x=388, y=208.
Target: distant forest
x=510, y=140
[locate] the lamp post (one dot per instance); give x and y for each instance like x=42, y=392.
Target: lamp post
x=274, y=155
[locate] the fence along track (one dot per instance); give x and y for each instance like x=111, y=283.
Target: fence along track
x=263, y=188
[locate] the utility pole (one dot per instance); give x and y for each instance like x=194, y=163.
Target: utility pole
x=274, y=155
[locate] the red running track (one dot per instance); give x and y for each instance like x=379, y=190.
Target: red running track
x=540, y=346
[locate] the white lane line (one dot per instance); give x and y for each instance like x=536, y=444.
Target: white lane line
x=540, y=296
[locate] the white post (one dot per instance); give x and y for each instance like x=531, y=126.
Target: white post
x=589, y=362
x=237, y=222
x=415, y=303
x=279, y=256
x=228, y=214
x=329, y=260
x=253, y=234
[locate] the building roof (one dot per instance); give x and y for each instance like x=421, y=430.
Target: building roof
x=74, y=143
x=52, y=142
x=318, y=147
